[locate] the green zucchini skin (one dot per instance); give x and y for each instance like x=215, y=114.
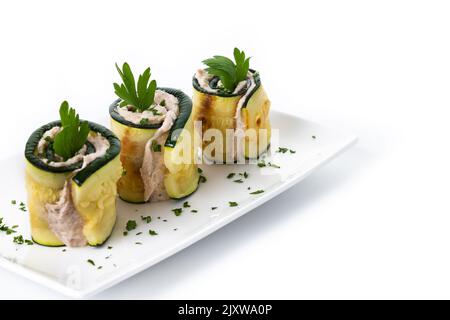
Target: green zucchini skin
x=48, y=245
x=83, y=175
x=256, y=77
x=185, y=109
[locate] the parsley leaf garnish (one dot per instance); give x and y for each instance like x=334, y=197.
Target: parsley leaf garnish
x=131, y=225
x=18, y=239
x=233, y=204
x=177, y=211
x=152, y=232
x=73, y=134
x=147, y=219
x=141, y=97
x=284, y=150
x=155, y=146
x=230, y=73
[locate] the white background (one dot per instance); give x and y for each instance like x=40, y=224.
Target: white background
x=374, y=223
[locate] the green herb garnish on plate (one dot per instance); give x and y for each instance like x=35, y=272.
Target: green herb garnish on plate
x=131, y=225
x=177, y=211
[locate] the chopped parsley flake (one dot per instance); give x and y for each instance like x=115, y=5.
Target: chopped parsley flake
x=5, y=228
x=238, y=181
x=199, y=170
x=313, y=137
x=147, y=219
x=22, y=207
x=91, y=262
x=202, y=179
x=194, y=211
x=155, y=146
x=152, y=232
x=231, y=175
x=261, y=163
x=244, y=174
x=257, y=192
x=13, y=202
x=18, y=239
x=213, y=208
x=284, y=150
x=186, y=204
x=138, y=243
x=109, y=247
x=125, y=233
x=131, y=225
x=177, y=211
x=233, y=204
x=139, y=233
x=143, y=121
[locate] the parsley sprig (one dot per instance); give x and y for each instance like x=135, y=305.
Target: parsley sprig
x=230, y=73
x=73, y=134
x=142, y=97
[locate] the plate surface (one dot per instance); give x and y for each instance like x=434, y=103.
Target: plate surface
x=67, y=269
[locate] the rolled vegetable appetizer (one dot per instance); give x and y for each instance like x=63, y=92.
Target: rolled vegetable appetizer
x=71, y=172
x=229, y=96
x=156, y=129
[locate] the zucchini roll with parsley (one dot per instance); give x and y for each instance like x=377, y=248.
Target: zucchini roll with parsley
x=228, y=96
x=156, y=130
x=71, y=174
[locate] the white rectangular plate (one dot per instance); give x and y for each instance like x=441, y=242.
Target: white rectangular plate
x=69, y=272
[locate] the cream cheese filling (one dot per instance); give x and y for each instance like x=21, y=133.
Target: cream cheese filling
x=156, y=114
x=153, y=169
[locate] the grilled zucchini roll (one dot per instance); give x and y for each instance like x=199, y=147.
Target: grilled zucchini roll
x=228, y=96
x=156, y=130
x=71, y=172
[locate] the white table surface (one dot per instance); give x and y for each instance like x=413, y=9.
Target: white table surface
x=374, y=223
